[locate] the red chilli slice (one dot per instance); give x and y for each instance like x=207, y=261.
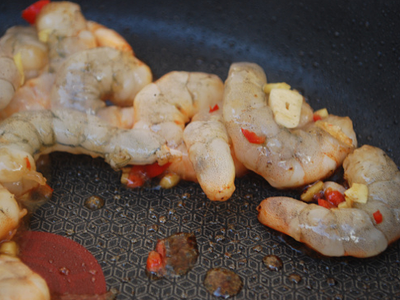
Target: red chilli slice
x=324, y=203
x=215, y=108
x=29, y=14
x=378, y=217
x=252, y=137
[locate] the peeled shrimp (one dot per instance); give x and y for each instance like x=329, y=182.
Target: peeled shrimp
x=167, y=105
x=288, y=157
x=26, y=135
x=91, y=75
x=63, y=27
x=22, y=56
x=209, y=149
x=33, y=95
x=345, y=231
x=10, y=214
x=19, y=282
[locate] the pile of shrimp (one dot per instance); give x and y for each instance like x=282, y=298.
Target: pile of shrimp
x=57, y=74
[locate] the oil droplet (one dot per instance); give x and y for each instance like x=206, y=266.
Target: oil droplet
x=273, y=262
x=63, y=271
x=94, y=202
x=257, y=248
x=186, y=196
x=219, y=238
x=69, y=232
x=227, y=255
x=223, y=283
x=296, y=278
x=331, y=281
x=242, y=261
x=153, y=228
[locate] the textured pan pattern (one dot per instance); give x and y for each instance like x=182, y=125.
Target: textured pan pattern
x=343, y=56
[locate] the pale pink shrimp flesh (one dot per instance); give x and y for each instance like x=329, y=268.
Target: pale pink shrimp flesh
x=287, y=158
x=351, y=231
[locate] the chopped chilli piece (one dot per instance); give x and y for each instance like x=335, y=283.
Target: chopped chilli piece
x=29, y=14
x=139, y=174
x=316, y=117
x=334, y=197
x=320, y=114
x=155, y=169
x=28, y=163
x=377, y=216
x=324, y=203
x=215, y=108
x=136, y=177
x=252, y=137
x=154, y=262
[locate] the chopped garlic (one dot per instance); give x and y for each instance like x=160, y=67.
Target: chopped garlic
x=169, y=181
x=357, y=193
x=344, y=204
x=18, y=63
x=335, y=131
x=280, y=85
x=286, y=106
x=125, y=175
x=312, y=190
x=43, y=35
x=9, y=248
x=323, y=113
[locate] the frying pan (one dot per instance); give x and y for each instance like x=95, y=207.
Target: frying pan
x=343, y=55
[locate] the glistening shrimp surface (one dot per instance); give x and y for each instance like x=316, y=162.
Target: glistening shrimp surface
x=299, y=43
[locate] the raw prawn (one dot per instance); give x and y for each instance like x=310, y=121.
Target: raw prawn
x=167, y=105
x=22, y=56
x=10, y=214
x=285, y=157
x=63, y=27
x=19, y=282
x=26, y=135
x=363, y=230
x=209, y=149
x=89, y=76
x=33, y=95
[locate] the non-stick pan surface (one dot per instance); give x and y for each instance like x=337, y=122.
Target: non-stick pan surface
x=343, y=55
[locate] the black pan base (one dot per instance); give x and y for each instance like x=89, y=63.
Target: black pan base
x=342, y=56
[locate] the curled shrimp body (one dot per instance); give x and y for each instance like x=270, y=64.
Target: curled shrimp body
x=22, y=56
x=19, y=282
x=33, y=95
x=26, y=135
x=345, y=231
x=10, y=214
x=167, y=105
x=63, y=27
x=89, y=76
x=285, y=157
x=209, y=150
